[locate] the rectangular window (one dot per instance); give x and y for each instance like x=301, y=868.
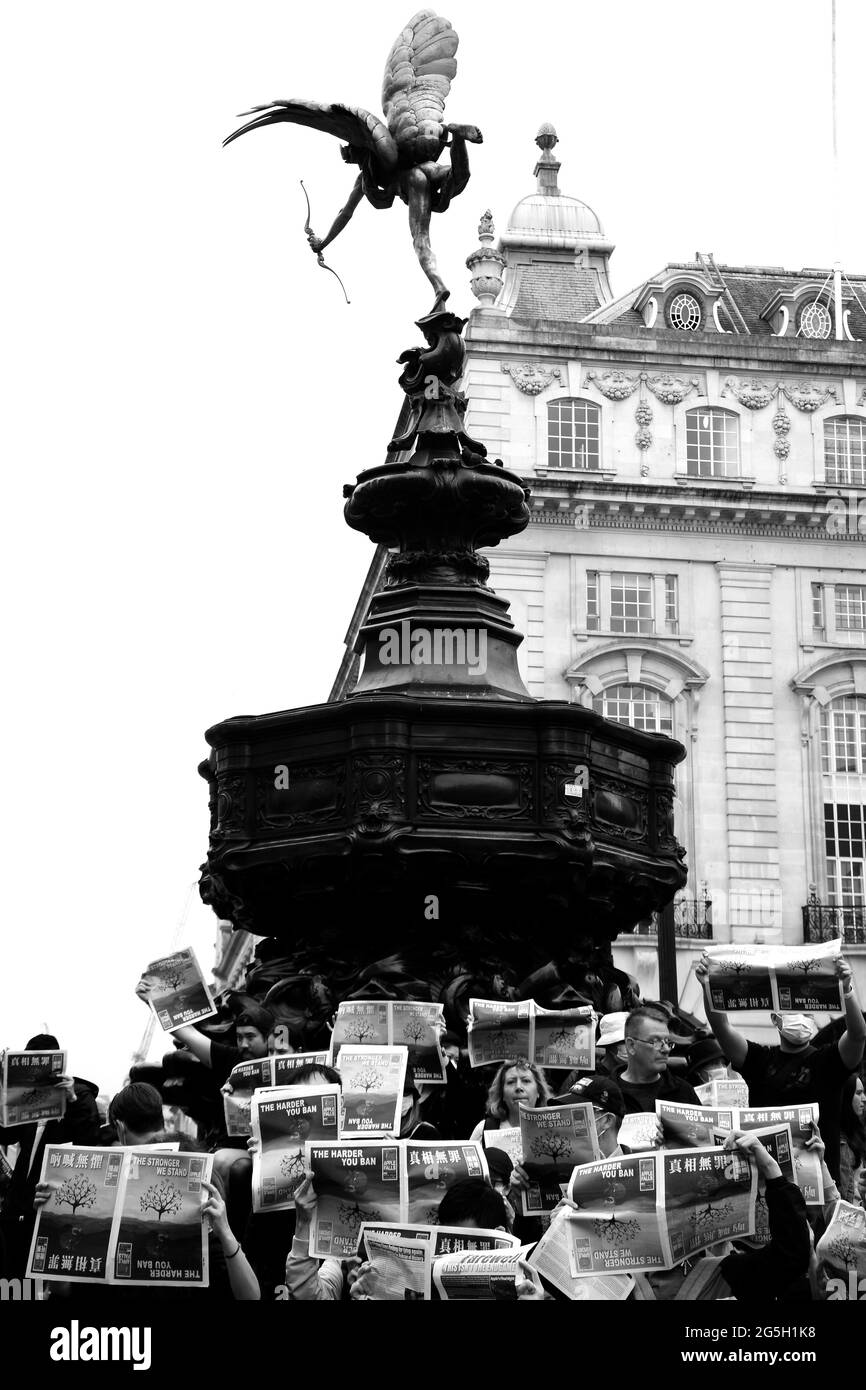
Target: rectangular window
x=845, y=450
x=850, y=608
x=818, y=608
x=712, y=444
x=573, y=434
x=845, y=838
x=843, y=736
x=592, y=601
x=672, y=623
x=631, y=602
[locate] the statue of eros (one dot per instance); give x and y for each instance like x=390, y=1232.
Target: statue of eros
x=397, y=159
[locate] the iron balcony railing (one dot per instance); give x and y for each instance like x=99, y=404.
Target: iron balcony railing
x=693, y=920
x=822, y=922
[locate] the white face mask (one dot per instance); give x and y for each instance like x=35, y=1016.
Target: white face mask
x=795, y=1029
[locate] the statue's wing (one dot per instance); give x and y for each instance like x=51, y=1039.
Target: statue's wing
x=352, y=124
x=418, y=74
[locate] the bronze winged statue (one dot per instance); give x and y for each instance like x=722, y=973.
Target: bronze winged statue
x=397, y=159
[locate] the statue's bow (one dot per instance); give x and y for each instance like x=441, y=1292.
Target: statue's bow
x=311, y=237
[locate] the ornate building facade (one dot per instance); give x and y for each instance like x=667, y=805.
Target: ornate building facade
x=696, y=451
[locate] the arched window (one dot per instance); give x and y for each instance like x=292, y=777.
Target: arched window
x=843, y=767
x=712, y=443
x=845, y=450
x=573, y=434
x=637, y=705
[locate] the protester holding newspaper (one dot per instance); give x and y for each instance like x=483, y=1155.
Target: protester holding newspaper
x=795, y=1071
x=79, y=1125
x=516, y=1083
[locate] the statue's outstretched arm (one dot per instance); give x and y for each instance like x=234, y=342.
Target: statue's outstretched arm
x=342, y=218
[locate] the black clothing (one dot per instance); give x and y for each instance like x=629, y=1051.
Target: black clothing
x=817, y=1074
x=642, y=1096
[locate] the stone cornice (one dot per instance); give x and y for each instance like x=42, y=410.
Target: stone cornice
x=491, y=335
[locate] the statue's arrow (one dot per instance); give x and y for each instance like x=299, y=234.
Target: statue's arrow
x=319, y=257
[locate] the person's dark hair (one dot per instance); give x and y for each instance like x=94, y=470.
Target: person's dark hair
x=301, y=1075
x=138, y=1106
x=475, y=1199
x=853, y=1129
x=42, y=1042
x=495, y=1102
x=255, y=1016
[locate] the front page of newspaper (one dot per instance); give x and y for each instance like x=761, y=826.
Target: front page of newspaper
x=551, y=1257
x=507, y=1138
x=285, y=1063
x=842, y=1252
x=479, y=1275
x=284, y=1121
x=444, y=1240
x=245, y=1078
x=809, y=1176
x=720, y=1094
x=616, y=1226
x=431, y=1166
x=705, y=1196
x=401, y=1267
x=29, y=1093
x=160, y=1237
x=775, y=978
x=363, y=1022
x=498, y=1030
x=418, y=1027
x=692, y=1126
x=372, y=1093
x=564, y=1038
x=776, y=1139
x=555, y=1141
x=180, y=994
x=72, y=1237
x=356, y=1181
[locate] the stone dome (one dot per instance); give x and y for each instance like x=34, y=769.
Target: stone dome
x=556, y=216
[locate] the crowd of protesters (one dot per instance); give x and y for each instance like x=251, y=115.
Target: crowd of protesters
x=642, y=1055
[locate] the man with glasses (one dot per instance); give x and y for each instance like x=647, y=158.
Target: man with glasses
x=645, y=1077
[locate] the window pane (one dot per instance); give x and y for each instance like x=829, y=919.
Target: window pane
x=637, y=705
x=845, y=450
x=712, y=444
x=573, y=428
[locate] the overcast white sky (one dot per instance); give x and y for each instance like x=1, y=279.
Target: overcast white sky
x=186, y=392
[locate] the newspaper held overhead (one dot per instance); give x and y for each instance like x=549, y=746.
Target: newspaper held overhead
x=372, y=1093
x=122, y=1216
x=652, y=1211
x=29, y=1093
x=395, y=1023
x=179, y=993
x=554, y=1142
x=284, y=1121
x=501, y=1031
x=776, y=979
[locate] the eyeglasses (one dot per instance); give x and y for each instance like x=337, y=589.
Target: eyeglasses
x=657, y=1044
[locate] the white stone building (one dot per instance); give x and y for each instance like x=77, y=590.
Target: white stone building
x=696, y=450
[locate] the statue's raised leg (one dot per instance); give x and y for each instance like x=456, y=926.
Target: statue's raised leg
x=419, y=200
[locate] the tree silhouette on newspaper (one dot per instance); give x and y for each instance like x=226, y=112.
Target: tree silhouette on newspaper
x=612, y=1229
x=76, y=1192
x=163, y=1198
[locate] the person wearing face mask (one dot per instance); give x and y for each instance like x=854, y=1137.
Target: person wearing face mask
x=795, y=1072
